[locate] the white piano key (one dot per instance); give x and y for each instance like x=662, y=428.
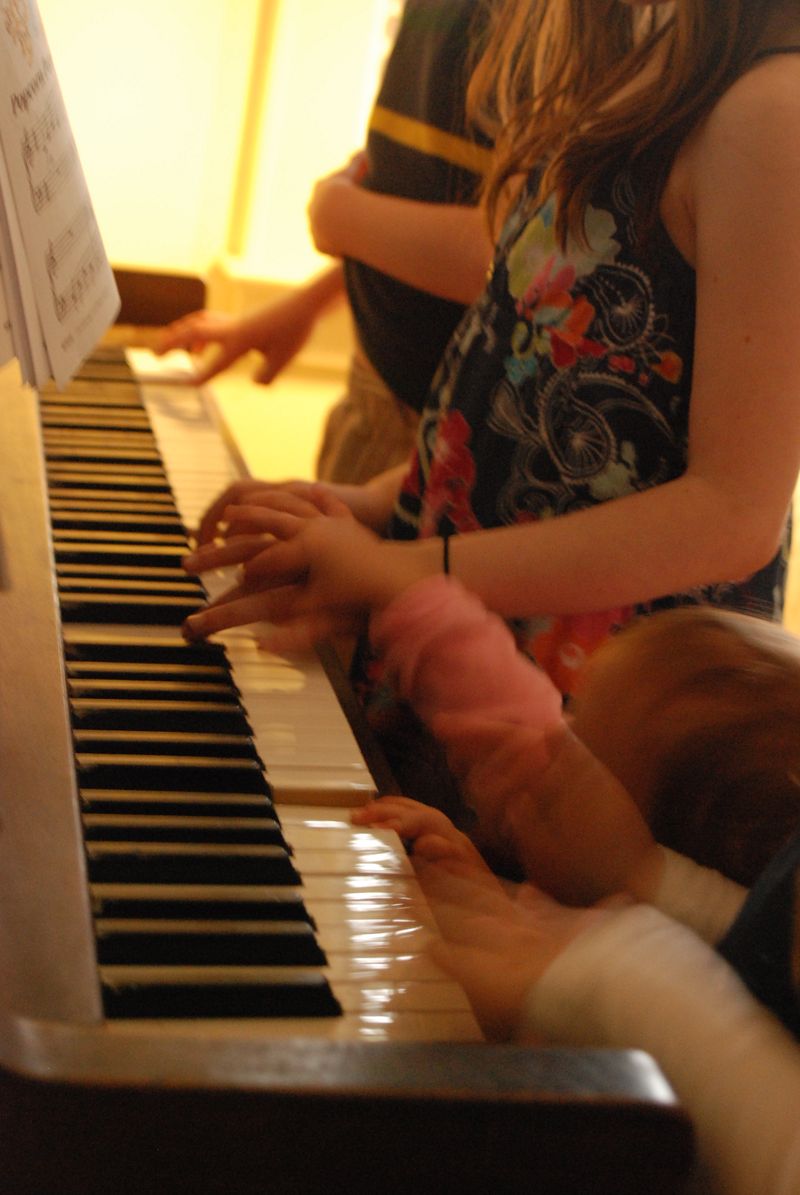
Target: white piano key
x=389, y=938
x=361, y=967
x=360, y=918
x=341, y=836
x=371, y=999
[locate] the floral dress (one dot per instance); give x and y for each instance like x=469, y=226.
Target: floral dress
x=565, y=385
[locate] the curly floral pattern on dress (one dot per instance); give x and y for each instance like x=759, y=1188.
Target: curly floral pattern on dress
x=567, y=384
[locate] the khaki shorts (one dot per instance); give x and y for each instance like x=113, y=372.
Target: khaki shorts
x=367, y=431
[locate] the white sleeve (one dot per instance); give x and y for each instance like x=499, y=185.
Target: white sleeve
x=640, y=980
x=704, y=899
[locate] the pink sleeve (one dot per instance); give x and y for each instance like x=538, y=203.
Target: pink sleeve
x=446, y=653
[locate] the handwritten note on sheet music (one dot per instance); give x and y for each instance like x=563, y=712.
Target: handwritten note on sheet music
x=59, y=288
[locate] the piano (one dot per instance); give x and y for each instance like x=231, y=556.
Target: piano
x=209, y=981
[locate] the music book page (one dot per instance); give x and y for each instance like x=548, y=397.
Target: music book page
x=58, y=293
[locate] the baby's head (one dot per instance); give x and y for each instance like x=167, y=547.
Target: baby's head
x=697, y=712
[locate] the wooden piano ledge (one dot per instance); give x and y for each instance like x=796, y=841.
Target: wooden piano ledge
x=315, y=1117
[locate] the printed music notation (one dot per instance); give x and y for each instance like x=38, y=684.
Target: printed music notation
x=73, y=259
x=55, y=279
x=60, y=248
x=48, y=160
x=80, y=283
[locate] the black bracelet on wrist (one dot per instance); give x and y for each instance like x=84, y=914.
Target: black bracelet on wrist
x=446, y=553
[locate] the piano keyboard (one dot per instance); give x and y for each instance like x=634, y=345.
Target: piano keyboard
x=143, y=1049
x=209, y=899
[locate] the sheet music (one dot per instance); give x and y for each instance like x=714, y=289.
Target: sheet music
x=59, y=290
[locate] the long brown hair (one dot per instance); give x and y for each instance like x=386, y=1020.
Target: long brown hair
x=548, y=90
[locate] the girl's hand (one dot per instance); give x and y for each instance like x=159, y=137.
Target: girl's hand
x=249, y=492
x=316, y=577
x=249, y=515
x=497, y=947
x=371, y=503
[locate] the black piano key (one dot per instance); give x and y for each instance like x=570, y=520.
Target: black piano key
x=65, y=421
x=78, y=500
x=176, y=804
x=85, y=552
x=126, y=428
x=151, y=538
x=70, y=444
x=116, y=608
x=176, y=773
x=123, y=571
x=122, y=650
x=190, y=716
x=82, y=454
x=170, y=903
x=95, y=418
x=115, y=499
x=106, y=473
x=132, y=585
x=142, y=670
x=148, y=827
x=117, y=521
x=129, y=432
x=134, y=689
x=155, y=742
x=162, y=863
x=282, y=992
x=88, y=479
x=207, y=943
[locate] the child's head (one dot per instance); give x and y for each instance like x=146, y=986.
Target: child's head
x=697, y=712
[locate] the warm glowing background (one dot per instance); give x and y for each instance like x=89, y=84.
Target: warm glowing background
x=202, y=126
x=203, y=123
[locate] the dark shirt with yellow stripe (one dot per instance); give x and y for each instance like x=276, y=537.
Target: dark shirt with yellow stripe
x=418, y=147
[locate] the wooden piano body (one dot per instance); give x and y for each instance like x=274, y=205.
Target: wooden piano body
x=399, y=1094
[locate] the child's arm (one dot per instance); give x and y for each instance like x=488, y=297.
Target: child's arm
x=628, y=977
x=640, y=980
x=573, y=827
x=277, y=331
x=445, y=652
x=549, y=803
x=444, y=249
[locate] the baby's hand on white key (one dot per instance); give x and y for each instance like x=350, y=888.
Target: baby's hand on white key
x=427, y=832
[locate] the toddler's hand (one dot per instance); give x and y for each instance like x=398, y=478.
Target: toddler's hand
x=428, y=831
x=496, y=946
